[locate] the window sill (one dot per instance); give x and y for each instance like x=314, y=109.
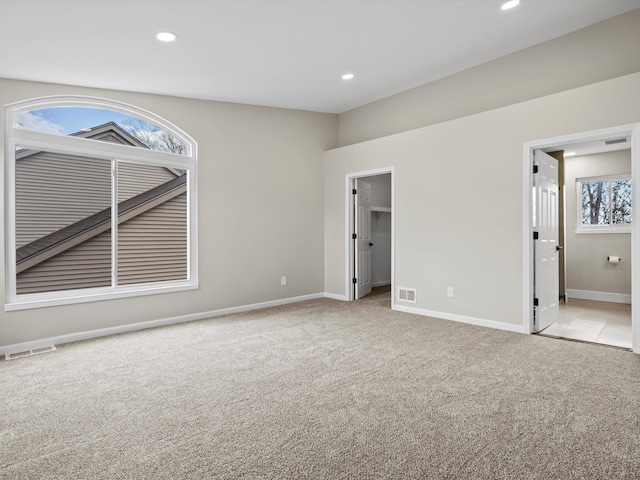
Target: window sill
x=603, y=229
x=26, y=302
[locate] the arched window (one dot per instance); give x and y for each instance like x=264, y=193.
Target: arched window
x=71, y=161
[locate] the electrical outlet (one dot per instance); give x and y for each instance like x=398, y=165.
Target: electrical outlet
x=283, y=280
x=450, y=292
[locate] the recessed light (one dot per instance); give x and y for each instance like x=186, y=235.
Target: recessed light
x=348, y=76
x=510, y=4
x=569, y=154
x=166, y=37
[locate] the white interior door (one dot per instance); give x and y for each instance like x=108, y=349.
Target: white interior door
x=546, y=246
x=363, y=239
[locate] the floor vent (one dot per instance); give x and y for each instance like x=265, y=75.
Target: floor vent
x=29, y=353
x=407, y=295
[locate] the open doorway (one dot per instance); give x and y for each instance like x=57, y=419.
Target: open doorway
x=371, y=233
x=597, y=244
x=599, y=282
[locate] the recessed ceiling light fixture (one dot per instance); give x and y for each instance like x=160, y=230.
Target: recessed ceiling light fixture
x=348, y=76
x=166, y=37
x=569, y=154
x=510, y=4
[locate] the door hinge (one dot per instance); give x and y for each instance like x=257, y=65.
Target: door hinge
x=355, y=280
x=535, y=169
x=535, y=302
x=354, y=191
x=535, y=235
x=354, y=236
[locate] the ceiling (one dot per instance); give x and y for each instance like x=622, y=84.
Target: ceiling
x=590, y=147
x=282, y=53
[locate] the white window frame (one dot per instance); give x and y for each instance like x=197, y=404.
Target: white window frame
x=16, y=136
x=611, y=228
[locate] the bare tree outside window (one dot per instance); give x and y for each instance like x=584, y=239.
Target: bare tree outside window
x=595, y=203
x=621, y=201
x=64, y=236
x=153, y=137
x=606, y=202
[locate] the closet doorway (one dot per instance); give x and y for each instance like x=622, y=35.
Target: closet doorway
x=371, y=232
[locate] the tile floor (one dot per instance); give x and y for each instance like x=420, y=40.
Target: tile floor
x=591, y=321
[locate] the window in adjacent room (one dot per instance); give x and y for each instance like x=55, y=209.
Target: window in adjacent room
x=70, y=163
x=604, y=204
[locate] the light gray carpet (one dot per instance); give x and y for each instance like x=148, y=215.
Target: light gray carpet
x=321, y=390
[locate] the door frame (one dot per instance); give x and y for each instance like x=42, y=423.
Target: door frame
x=527, y=258
x=349, y=228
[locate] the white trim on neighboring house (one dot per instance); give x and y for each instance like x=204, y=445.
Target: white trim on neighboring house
x=527, y=228
x=100, y=103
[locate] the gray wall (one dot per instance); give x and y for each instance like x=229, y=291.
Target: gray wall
x=586, y=254
x=456, y=145
x=260, y=211
x=380, y=190
x=602, y=51
x=381, y=250
x=459, y=193
x=380, y=229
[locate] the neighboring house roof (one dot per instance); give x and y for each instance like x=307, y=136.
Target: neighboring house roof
x=51, y=245
x=108, y=131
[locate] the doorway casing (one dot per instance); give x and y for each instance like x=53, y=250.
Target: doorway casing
x=349, y=228
x=632, y=130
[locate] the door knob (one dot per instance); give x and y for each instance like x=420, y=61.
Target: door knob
x=370, y=244
x=558, y=247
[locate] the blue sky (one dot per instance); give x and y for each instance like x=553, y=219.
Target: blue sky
x=66, y=120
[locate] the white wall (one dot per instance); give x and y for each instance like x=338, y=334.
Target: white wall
x=381, y=250
x=380, y=190
x=586, y=254
x=458, y=198
x=260, y=212
x=380, y=229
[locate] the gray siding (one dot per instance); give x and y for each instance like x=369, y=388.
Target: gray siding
x=134, y=179
x=152, y=247
x=83, y=266
x=54, y=191
x=110, y=137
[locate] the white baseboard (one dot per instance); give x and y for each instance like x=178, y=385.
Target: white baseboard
x=335, y=296
x=103, y=332
x=462, y=319
x=381, y=284
x=599, y=296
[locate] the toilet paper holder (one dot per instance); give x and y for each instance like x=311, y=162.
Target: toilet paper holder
x=613, y=259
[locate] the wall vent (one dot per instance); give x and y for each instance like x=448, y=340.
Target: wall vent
x=407, y=294
x=617, y=140
x=29, y=353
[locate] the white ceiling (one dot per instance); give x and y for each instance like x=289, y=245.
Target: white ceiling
x=283, y=53
x=594, y=146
